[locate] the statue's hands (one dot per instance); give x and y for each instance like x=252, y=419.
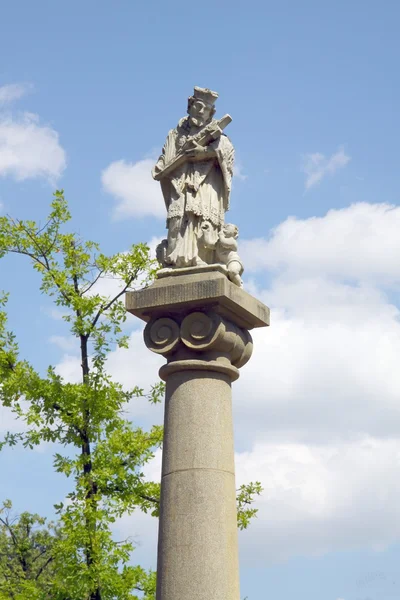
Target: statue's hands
x=195, y=150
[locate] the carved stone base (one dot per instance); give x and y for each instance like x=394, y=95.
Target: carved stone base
x=200, y=340
x=198, y=317
x=179, y=295
x=199, y=269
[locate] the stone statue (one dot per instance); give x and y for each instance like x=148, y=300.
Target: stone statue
x=195, y=171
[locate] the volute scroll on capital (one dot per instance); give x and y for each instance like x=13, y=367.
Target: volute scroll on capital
x=199, y=336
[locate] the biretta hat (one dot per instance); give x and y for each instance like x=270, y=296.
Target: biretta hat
x=205, y=95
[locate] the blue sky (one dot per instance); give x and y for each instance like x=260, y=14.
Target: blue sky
x=88, y=91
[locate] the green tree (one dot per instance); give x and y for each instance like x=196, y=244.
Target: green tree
x=103, y=453
x=26, y=555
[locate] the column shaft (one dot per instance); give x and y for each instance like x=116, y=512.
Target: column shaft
x=197, y=547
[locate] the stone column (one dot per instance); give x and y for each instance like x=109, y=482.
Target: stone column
x=200, y=324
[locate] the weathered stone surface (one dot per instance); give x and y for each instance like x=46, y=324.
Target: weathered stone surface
x=199, y=321
x=210, y=411
x=195, y=170
x=197, y=551
x=198, y=291
x=201, y=340
x=198, y=269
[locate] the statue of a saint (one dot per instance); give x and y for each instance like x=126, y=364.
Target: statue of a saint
x=195, y=172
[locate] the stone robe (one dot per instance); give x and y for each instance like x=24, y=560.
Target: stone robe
x=195, y=194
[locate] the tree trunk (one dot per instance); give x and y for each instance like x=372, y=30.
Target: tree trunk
x=87, y=463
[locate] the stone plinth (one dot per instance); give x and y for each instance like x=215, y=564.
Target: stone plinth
x=200, y=290
x=199, y=322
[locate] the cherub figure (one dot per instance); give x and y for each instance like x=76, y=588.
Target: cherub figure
x=226, y=253
x=161, y=253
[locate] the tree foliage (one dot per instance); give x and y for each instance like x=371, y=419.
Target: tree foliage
x=245, y=498
x=26, y=555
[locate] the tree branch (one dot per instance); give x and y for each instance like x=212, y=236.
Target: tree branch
x=105, y=307
x=149, y=498
x=89, y=287
x=42, y=568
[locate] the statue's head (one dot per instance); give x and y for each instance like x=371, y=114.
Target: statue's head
x=201, y=107
x=230, y=230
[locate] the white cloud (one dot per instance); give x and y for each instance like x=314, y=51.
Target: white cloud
x=142, y=530
x=29, y=149
x=360, y=242
x=8, y=421
x=57, y=314
x=137, y=365
x=12, y=91
x=109, y=285
x=318, y=403
x=64, y=342
x=69, y=368
x=325, y=369
x=135, y=191
x=316, y=166
x=238, y=171
x=140, y=527
x=321, y=498
x=153, y=243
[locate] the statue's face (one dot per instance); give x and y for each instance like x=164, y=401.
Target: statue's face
x=199, y=113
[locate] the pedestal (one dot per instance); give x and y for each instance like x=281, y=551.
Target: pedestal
x=200, y=323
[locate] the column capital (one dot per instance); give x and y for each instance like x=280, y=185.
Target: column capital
x=198, y=321
x=201, y=341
